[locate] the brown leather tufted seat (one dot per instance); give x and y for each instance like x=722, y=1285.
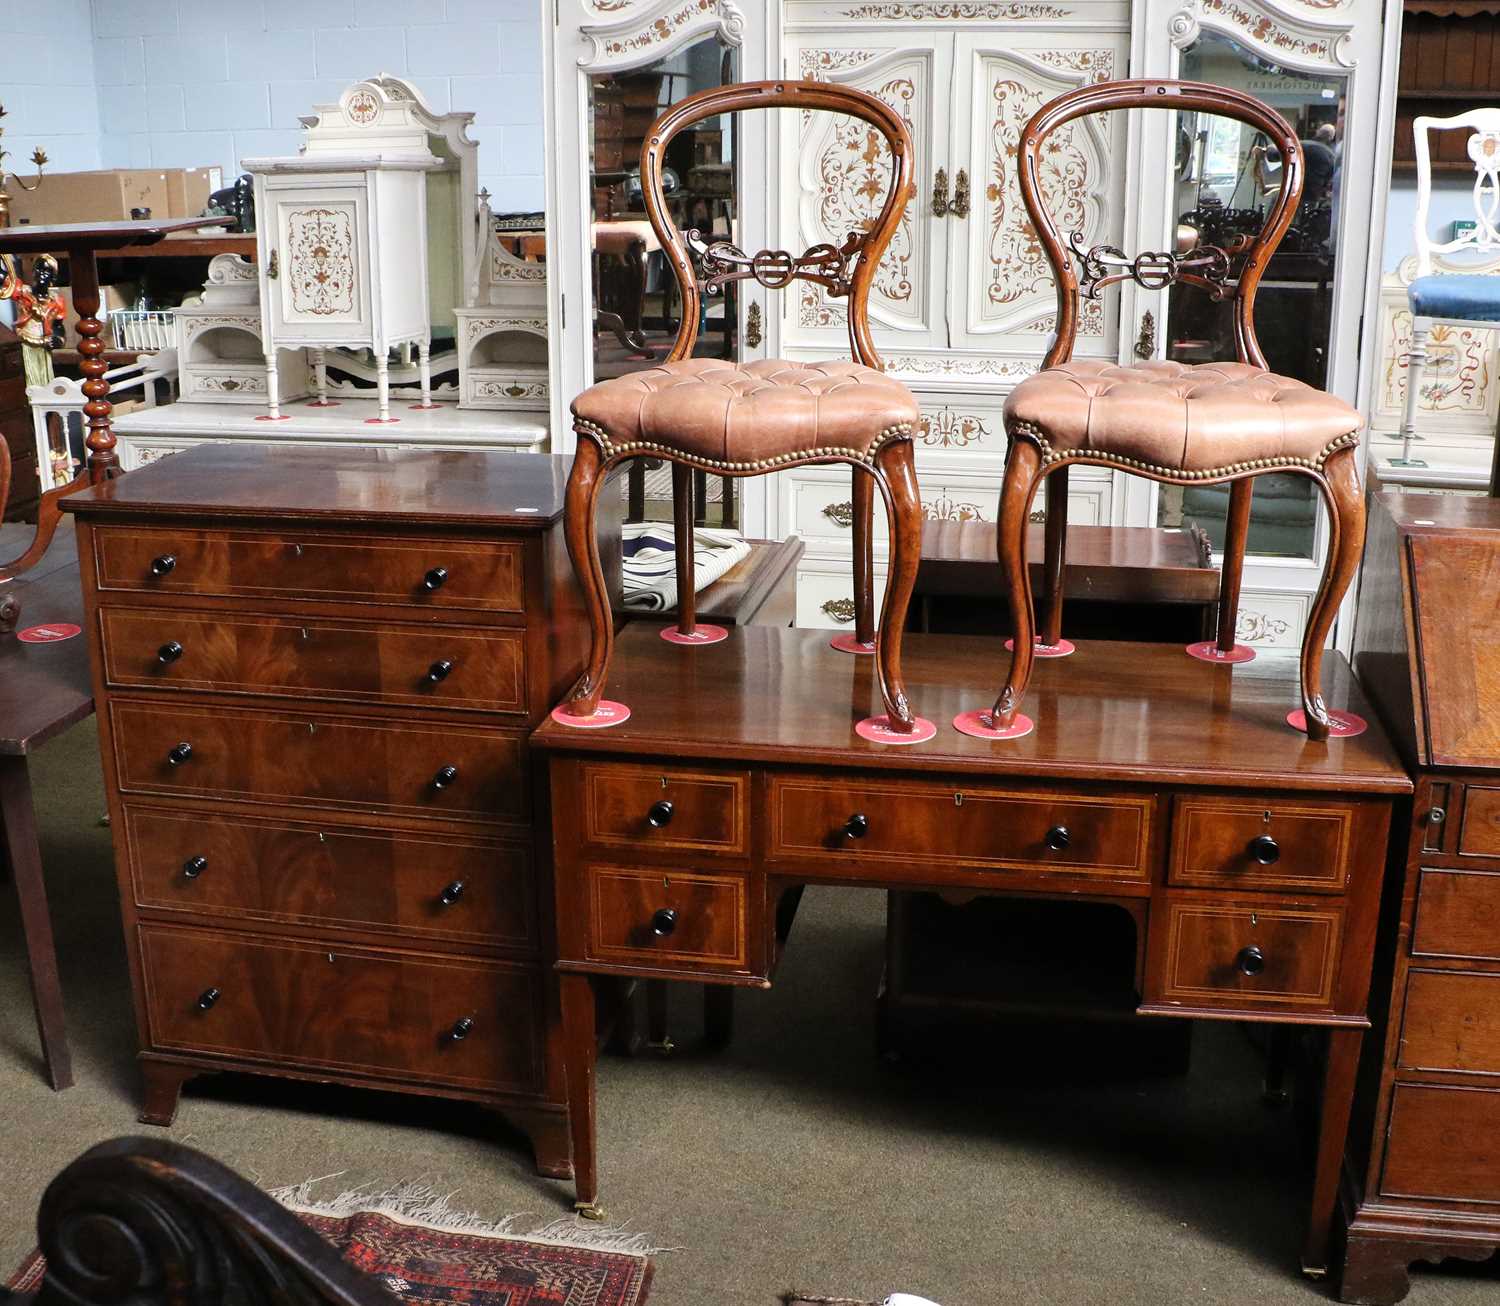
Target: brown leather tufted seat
x=749, y=416
x=1212, y=419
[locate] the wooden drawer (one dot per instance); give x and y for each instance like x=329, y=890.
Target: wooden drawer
x=1210, y=958
x=1458, y=915
x=479, y=669
x=708, y=929
x=1479, y=836
x=480, y=575
x=1281, y=843
x=929, y=825
x=355, y=1011
x=307, y=761
x=672, y=808
x=1452, y=1022
x=1444, y=1143
x=235, y=868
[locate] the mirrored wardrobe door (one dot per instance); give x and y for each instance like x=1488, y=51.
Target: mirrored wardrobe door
x=1209, y=180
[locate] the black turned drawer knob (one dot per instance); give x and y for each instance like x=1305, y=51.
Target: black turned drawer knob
x=1057, y=838
x=664, y=921
x=452, y=893
x=660, y=814
x=857, y=826
x=195, y=866
x=445, y=776
x=169, y=652
x=163, y=565
x=439, y=670
x=462, y=1028
x=435, y=579
x=179, y=753
x=1265, y=850
x=207, y=998
x=1251, y=961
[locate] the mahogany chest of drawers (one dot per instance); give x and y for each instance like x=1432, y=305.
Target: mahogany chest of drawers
x=315, y=672
x=1249, y=858
x=1424, y=1178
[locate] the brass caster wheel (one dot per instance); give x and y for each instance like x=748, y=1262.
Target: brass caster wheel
x=663, y=1048
x=1317, y=1272
x=588, y=1210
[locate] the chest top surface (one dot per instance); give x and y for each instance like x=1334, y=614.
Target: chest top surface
x=429, y=488
x=1137, y=713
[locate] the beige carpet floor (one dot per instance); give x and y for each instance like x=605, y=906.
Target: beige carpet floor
x=793, y=1159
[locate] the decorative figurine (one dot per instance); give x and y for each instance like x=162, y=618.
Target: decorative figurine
x=40, y=311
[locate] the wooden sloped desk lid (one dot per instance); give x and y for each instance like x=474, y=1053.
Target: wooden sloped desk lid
x=1124, y=713
x=1455, y=600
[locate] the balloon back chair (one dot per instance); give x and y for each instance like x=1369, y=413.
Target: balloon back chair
x=1182, y=424
x=1439, y=297
x=748, y=419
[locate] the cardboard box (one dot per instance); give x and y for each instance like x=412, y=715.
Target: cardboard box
x=110, y=299
x=109, y=195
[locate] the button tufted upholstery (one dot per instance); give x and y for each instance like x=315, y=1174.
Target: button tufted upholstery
x=751, y=416
x=1177, y=417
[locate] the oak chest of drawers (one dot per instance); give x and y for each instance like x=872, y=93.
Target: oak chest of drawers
x=1424, y=1178
x=315, y=673
x=1248, y=858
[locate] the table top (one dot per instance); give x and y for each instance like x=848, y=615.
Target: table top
x=44, y=688
x=1135, y=713
x=376, y=486
x=95, y=235
x=1116, y=563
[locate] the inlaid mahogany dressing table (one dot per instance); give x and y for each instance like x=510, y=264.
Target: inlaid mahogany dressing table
x=1424, y=1173
x=1249, y=856
x=315, y=671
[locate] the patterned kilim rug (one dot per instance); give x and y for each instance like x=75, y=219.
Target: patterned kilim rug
x=425, y=1252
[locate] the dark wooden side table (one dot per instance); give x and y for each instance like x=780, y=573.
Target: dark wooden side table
x=44, y=688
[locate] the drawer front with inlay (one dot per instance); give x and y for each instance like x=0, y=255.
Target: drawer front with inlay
x=437, y=1019
x=437, y=573
x=1458, y=915
x=438, y=666
x=672, y=808
x=1452, y=1022
x=1240, y=843
x=841, y=824
x=246, y=869
x=303, y=760
x=675, y=920
x=1243, y=954
x=1444, y=1143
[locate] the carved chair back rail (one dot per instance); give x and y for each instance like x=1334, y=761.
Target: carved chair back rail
x=750, y=419
x=1177, y=423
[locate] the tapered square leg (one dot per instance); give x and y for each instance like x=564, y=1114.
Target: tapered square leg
x=580, y=1058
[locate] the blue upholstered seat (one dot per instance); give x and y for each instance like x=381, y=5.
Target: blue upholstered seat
x=1476, y=298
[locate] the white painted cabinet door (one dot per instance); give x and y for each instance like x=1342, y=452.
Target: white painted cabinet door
x=322, y=282
x=842, y=171
x=1002, y=295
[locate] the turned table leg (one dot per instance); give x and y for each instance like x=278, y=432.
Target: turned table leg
x=102, y=461
x=18, y=822
x=580, y=1055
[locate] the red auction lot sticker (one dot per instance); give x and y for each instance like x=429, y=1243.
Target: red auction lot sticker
x=48, y=634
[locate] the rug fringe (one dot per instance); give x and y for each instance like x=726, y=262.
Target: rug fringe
x=421, y=1203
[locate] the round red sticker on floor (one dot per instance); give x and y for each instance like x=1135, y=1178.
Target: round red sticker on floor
x=48, y=634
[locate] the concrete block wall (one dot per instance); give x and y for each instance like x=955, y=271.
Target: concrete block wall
x=47, y=86
x=199, y=83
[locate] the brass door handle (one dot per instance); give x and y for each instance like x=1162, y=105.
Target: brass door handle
x=273, y=269
x=753, y=335
x=1145, y=343
x=961, y=194
x=840, y=514
x=940, y=194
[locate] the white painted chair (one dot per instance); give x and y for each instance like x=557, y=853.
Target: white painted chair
x=51, y=405
x=1452, y=298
